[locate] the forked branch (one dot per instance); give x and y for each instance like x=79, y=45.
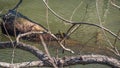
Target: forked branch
x=35, y=32
x=65, y=61
x=71, y=22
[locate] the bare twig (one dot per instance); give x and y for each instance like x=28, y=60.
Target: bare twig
x=115, y=51
x=113, y=48
x=116, y=39
x=55, y=12
x=100, y=21
x=13, y=52
x=65, y=61
x=28, y=33
x=47, y=16
x=17, y=5
x=70, y=22
x=1, y=11
x=67, y=49
x=10, y=40
x=106, y=11
x=75, y=10
x=114, y=4
x=32, y=49
x=74, y=27
x=71, y=30
x=33, y=32
x=48, y=54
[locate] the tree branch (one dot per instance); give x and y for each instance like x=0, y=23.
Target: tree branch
x=35, y=32
x=71, y=22
x=47, y=52
x=23, y=64
x=91, y=59
x=17, y=5
x=65, y=61
x=35, y=51
x=115, y=5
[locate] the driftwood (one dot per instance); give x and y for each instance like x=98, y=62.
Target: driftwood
x=60, y=62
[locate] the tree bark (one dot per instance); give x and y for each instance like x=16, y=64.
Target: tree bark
x=64, y=61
